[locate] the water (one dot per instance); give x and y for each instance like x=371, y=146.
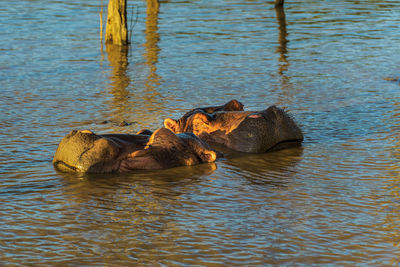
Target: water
x=334, y=201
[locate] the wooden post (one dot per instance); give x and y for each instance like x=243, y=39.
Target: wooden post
x=117, y=27
x=279, y=2
x=101, y=22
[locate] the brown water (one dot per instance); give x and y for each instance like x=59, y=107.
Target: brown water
x=334, y=201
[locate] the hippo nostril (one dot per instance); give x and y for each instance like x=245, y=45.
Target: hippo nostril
x=72, y=133
x=64, y=166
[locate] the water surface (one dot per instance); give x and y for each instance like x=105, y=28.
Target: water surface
x=333, y=201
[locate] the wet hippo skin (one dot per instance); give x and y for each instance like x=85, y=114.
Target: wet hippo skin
x=246, y=131
x=85, y=151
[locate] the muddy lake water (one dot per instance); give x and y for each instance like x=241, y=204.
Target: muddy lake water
x=332, y=64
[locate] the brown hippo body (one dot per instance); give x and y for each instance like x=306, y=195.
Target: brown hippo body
x=85, y=151
x=245, y=131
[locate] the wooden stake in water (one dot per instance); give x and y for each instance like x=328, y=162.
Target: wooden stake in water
x=279, y=2
x=101, y=22
x=117, y=28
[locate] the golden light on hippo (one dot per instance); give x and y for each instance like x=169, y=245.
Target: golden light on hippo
x=85, y=151
x=246, y=131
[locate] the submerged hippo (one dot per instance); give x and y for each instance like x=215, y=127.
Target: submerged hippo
x=85, y=151
x=245, y=131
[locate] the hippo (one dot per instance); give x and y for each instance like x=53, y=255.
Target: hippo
x=85, y=151
x=245, y=131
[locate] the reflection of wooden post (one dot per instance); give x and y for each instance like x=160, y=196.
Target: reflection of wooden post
x=282, y=49
x=282, y=39
x=117, y=28
x=152, y=38
x=279, y=2
x=118, y=57
x=153, y=7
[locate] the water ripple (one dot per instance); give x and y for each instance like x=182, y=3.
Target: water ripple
x=334, y=201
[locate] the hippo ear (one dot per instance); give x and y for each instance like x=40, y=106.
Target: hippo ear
x=171, y=125
x=233, y=105
x=273, y=113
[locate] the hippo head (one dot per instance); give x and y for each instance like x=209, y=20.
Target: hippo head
x=245, y=131
x=85, y=151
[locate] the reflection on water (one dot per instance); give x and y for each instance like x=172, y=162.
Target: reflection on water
x=391, y=205
x=125, y=103
x=282, y=50
x=270, y=168
x=151, y=46
x=282, y=39
x=334, y=201
x=118, y=58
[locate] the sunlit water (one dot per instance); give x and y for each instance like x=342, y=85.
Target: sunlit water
x=334, y=201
